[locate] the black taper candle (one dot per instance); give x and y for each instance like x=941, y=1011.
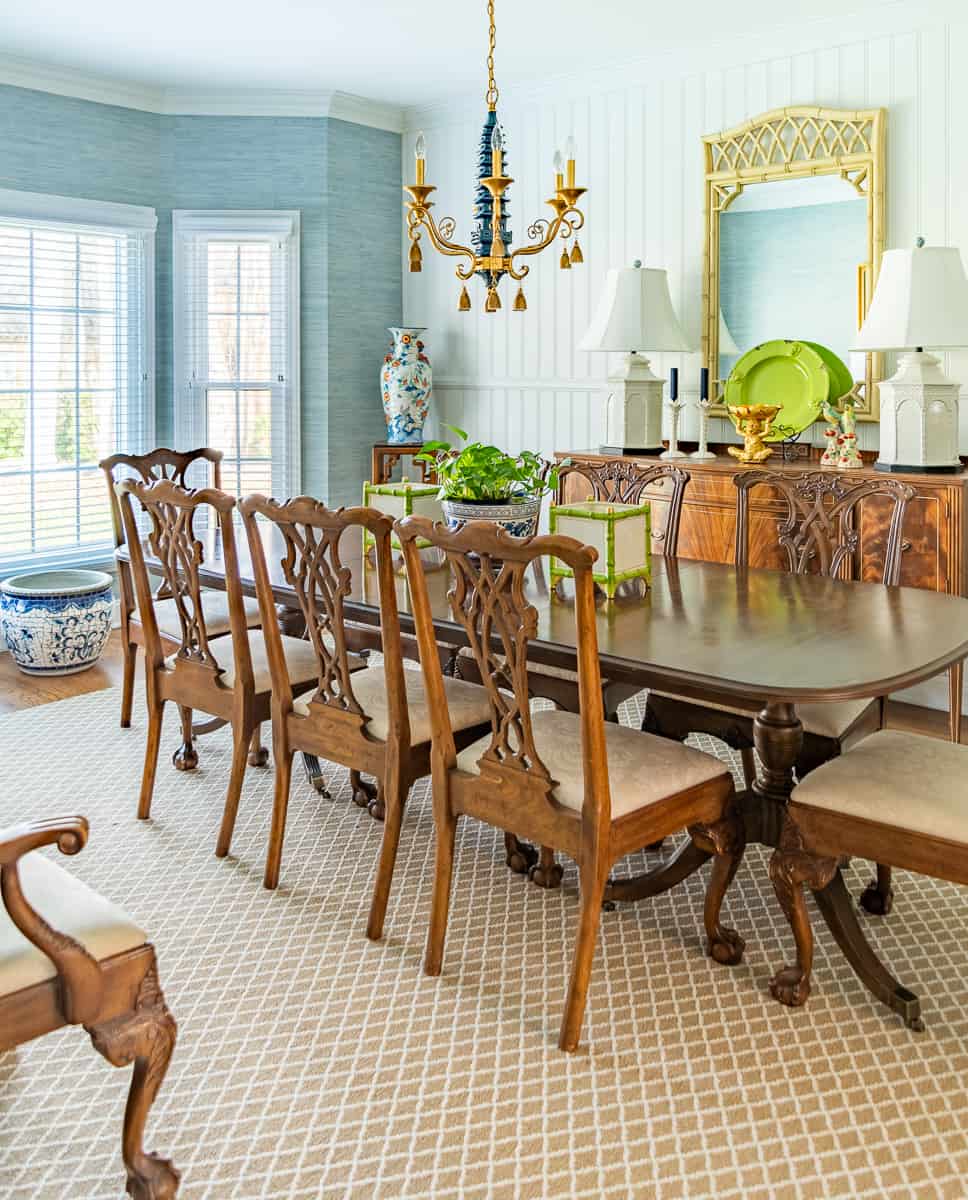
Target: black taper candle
x=703, y=383
x=674, y=383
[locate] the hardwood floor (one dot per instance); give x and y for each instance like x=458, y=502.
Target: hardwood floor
x=19, y=691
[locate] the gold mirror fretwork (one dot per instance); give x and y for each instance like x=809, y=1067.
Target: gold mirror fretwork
x=790, y=144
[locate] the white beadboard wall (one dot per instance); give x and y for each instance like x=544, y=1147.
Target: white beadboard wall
x=517, y=379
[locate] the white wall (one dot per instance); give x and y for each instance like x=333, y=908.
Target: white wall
x=516, y=378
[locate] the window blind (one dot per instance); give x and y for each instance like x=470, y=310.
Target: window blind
x=74, y=382
x=236, y=289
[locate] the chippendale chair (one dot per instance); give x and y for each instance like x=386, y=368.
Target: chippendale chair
x=896, y=798
x=618, y=481
x=376, y=721
x=818, y=528
x=226, y=677
x=573, y=782
x=175, y=465
x=70, y=957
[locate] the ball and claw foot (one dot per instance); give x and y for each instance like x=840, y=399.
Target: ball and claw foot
x=875, y=901
x=546, y=875
x=367, y=795
x=791, y=987
x=520, y=857
x=185, y=758
x=259, y=757
x=377, y=807
x=608, y=906
x=727, y=948
x=157, y=1180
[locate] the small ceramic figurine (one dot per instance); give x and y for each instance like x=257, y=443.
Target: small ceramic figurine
x=841, y=451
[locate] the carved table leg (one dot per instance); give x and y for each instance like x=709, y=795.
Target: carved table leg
x=778, y=736
x=790, y=867
x=185, y=758
x=726, y=839
x=258, y=754
x=519, y=856
x=368, y=795
x=878, y=897
x=200, y=728
x=145, y=1037
x=546, y=873
x=686, y=860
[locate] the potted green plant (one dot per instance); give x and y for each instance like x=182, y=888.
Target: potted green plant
x=483, y=483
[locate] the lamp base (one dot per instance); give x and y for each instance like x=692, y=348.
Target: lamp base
x=919, y=419
x=633, y=451
x=633, y=411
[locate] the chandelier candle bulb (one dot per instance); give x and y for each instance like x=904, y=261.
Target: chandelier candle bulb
x=420, y=151
x=559, y=164
x=497, y=153
x=570, y=156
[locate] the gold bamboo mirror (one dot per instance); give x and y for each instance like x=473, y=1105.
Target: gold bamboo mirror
x=794, y=236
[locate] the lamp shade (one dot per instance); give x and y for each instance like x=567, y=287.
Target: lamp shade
x=921, y=299
x=635, y=313
x=726, y=343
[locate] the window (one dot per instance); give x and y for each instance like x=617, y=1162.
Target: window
x=236, y=285
x=76, y=369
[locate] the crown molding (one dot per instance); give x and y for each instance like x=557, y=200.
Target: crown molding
x=200, y=102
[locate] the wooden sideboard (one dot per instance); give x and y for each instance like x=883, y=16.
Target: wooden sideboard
x=935, y=526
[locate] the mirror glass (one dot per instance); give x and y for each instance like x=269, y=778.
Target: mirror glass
x=789, y=252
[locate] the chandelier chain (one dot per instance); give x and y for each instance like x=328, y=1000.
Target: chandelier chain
x=492, y=92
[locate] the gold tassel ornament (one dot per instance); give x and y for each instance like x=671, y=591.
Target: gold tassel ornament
x=464, y=303
x=493, y=301
x=416, y=257
x=565, y=263
x=576, y=254
x=520, y=304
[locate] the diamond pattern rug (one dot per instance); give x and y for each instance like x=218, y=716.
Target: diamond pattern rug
x=312, y=1063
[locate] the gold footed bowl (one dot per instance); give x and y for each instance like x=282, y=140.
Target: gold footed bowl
x=753, y=421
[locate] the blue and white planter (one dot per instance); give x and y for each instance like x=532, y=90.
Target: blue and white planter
x=517, y=517
x=405, y=383
x=56, y=622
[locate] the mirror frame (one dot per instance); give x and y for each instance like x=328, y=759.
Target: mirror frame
x=794, y=143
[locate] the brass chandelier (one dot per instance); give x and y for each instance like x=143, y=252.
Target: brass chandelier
x=489, y=256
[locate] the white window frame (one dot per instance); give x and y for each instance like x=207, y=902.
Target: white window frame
x=73, y=214
x=190, y=418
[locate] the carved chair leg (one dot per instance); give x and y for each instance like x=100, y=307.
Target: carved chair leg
x=240, y=754
x=395, y=795
x=280, y=807
x=146, y=1037
x=156, y=713
x=185, y=757
x=445, y=824
x=364, y=792
x=546, y=873
x=593, y=881
x=790, y=867
x=258, y=754
x=378, y=806
x=878, y=897
x=726, y=840
x=519, y=856
x=130, y=663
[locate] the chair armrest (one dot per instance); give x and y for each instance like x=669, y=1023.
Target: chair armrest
x=78, y=972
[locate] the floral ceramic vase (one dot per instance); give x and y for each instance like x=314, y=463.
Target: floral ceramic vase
x=405, y=383
x=56, y=622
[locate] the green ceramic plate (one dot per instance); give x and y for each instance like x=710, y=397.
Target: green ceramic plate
x=841, y=380
x=791, y=374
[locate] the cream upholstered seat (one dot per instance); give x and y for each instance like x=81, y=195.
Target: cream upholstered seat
x=68, y=906
x=215, y=606
x=823, y=720
x=300, y=660
x=642, y=769
x=467, y=703
x=904, y=780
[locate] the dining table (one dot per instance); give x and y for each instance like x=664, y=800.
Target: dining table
x=760, y=640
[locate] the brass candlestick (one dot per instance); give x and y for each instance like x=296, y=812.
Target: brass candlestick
x=753, y=421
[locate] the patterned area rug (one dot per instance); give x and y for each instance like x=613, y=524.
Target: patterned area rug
x=311, y=1063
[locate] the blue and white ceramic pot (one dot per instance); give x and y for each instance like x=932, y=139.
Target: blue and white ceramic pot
x=56, y=622
x=518, y=517
x=405, y=383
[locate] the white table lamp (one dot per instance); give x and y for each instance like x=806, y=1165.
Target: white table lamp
x=634, y=313
x=921, y=299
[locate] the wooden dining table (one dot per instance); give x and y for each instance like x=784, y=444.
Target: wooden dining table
x=756, y=639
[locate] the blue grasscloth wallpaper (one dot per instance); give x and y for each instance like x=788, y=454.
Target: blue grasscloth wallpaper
x=344, y=180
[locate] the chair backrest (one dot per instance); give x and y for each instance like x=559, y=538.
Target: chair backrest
x=312, y=564
x=622, y=481
x=488, y=601
x=180, y=555
x=820, y=531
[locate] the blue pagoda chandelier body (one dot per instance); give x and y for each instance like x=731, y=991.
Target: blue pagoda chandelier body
x=489, y=255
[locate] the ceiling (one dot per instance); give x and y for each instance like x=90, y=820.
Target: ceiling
x=385, y=50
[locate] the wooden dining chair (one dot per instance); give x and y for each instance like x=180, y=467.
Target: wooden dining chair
x=818, y=529
x=590, y=789
x=897, y=798
x=226, y=677
x=616, y=481
x=374, y=722
x=68, y=956
x=176, y=465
